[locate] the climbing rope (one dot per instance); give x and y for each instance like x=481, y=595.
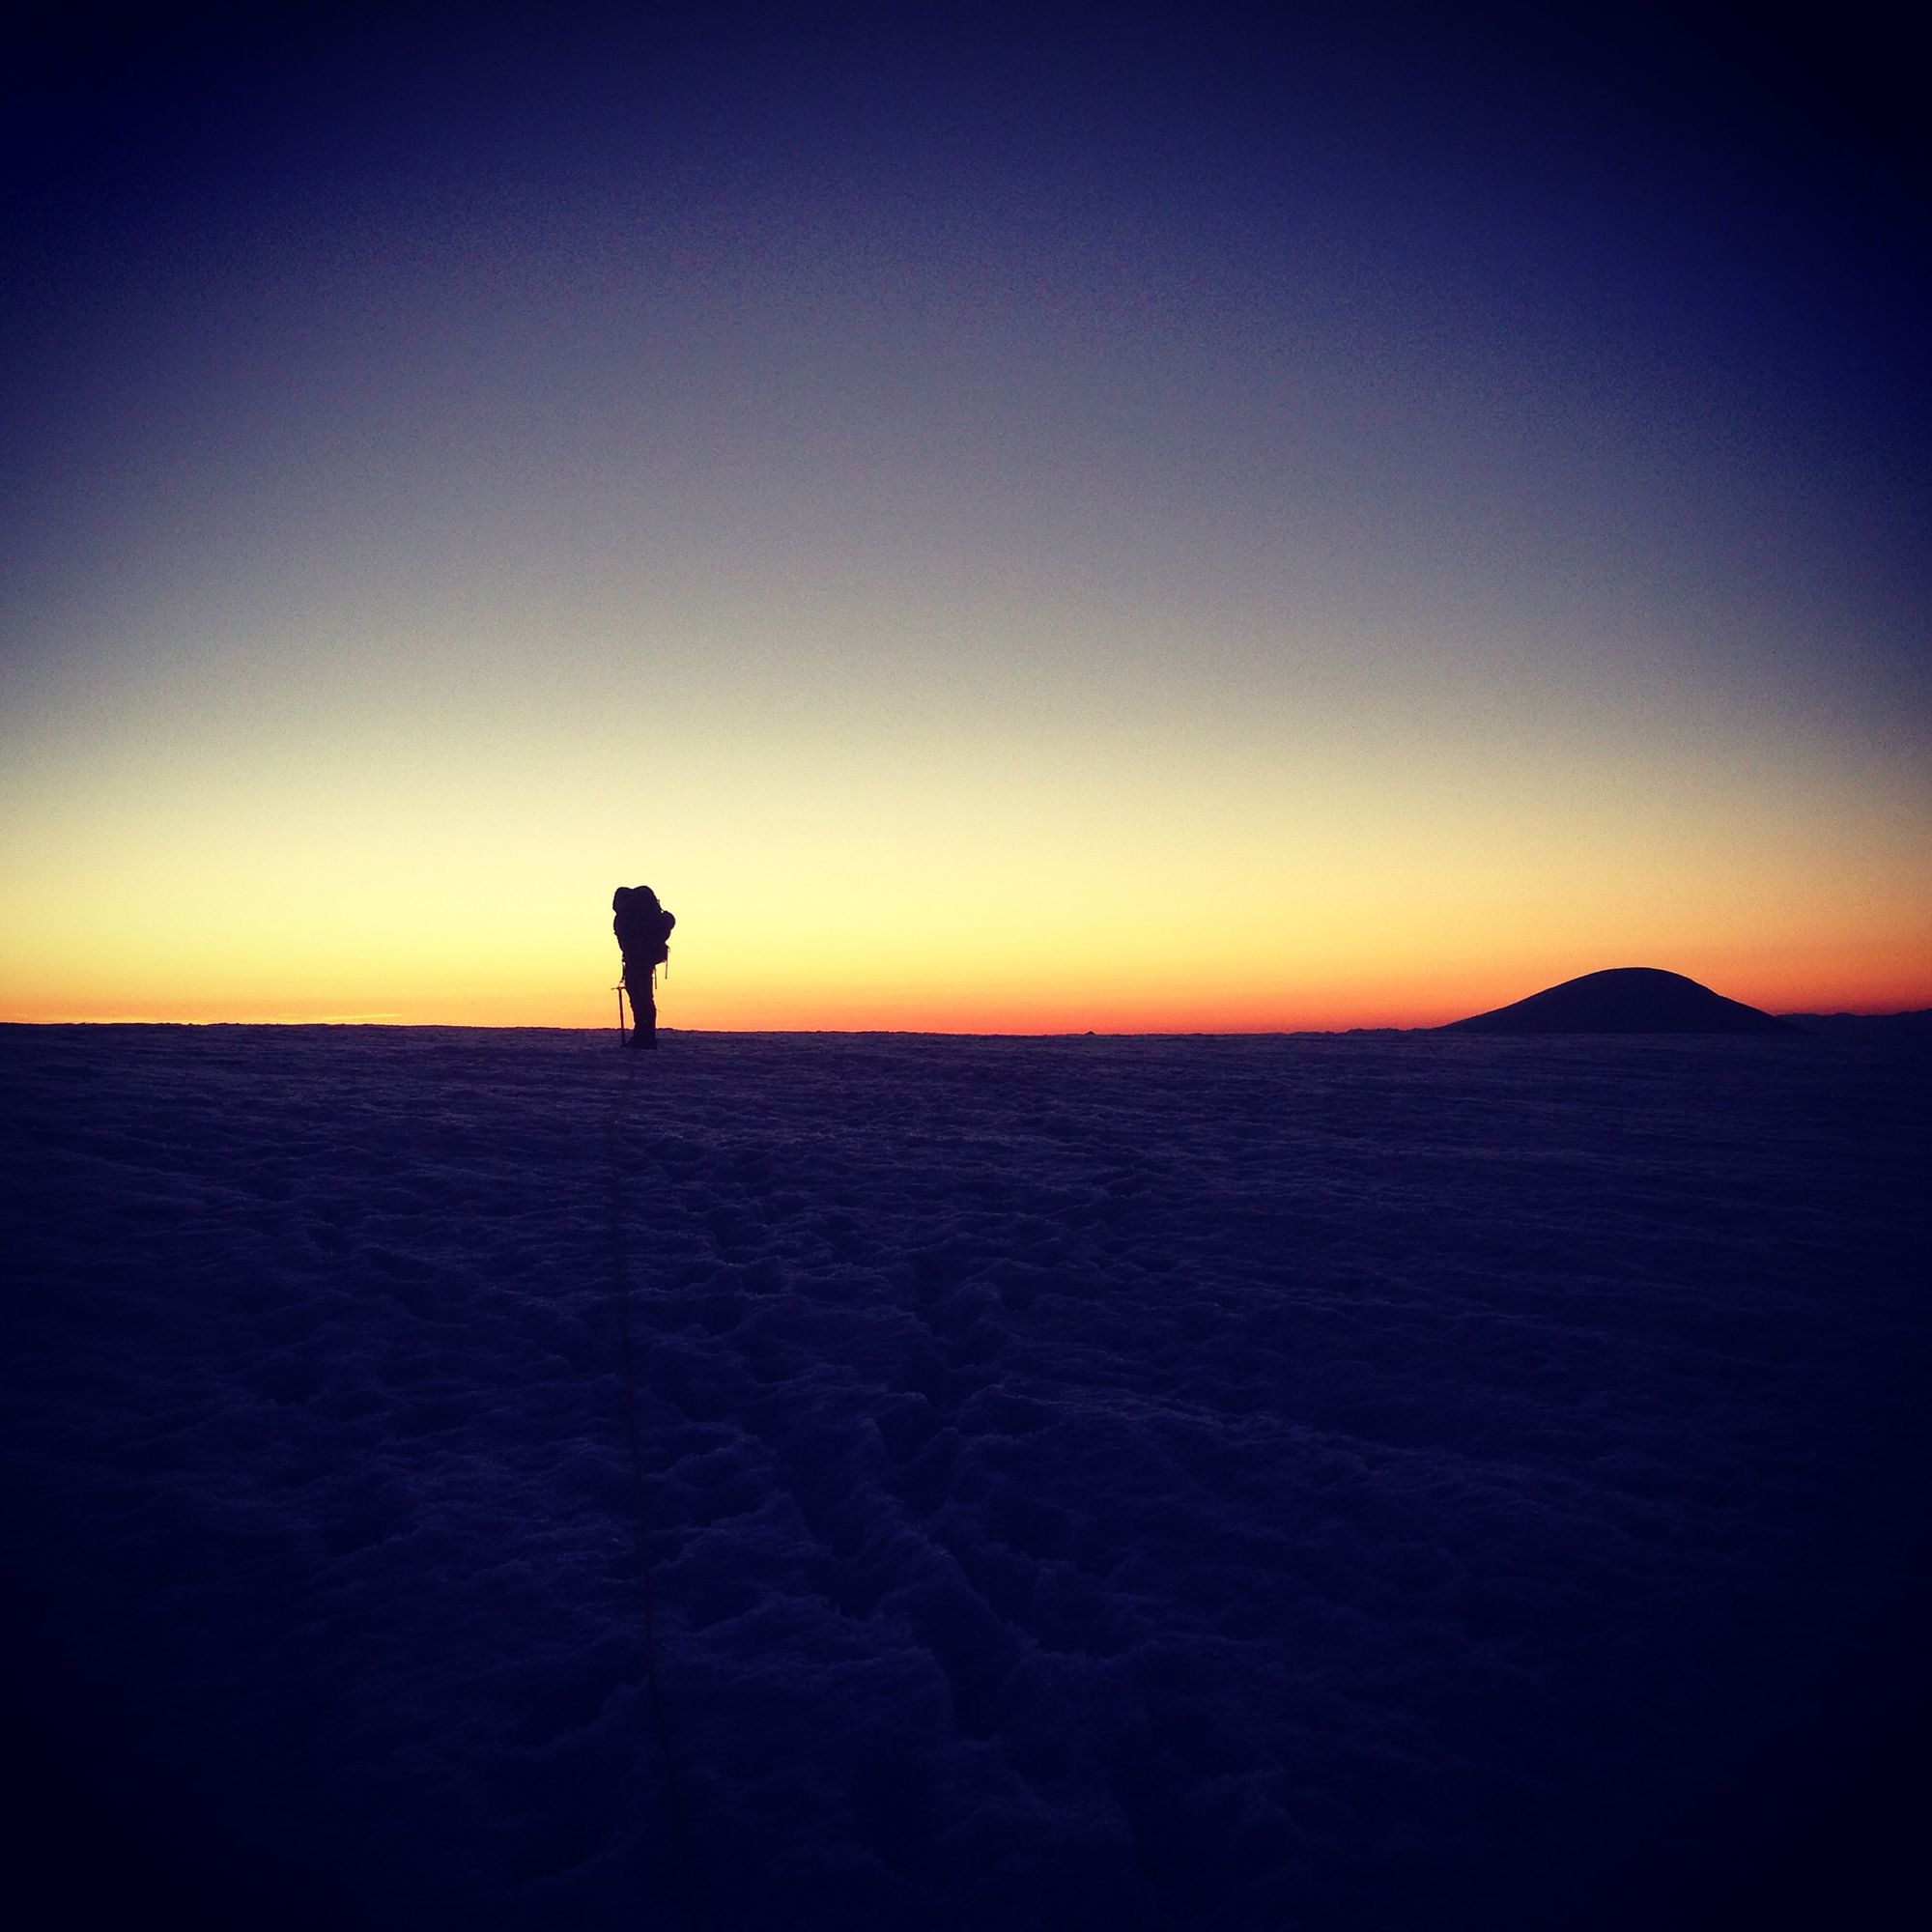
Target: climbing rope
x=620, y=1282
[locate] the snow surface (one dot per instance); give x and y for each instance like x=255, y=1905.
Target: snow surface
x=1331, y=1482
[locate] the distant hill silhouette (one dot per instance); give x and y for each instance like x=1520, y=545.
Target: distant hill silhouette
x=1626, y=999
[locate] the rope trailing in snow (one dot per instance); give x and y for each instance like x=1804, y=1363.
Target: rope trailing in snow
x=620, y=1280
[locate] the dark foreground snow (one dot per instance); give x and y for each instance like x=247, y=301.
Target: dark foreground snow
x=1114, y=1483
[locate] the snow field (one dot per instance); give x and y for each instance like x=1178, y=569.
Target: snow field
x=1318, y=1481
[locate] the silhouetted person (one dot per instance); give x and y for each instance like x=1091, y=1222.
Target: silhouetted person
x=643, y=932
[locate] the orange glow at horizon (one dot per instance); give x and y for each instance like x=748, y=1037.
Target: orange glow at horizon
x=708, y=991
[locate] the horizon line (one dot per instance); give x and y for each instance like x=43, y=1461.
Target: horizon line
x=886, y=1032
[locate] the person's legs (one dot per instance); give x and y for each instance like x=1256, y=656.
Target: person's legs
x=644, y=1009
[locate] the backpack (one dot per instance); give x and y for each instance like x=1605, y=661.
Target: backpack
x=642, y=926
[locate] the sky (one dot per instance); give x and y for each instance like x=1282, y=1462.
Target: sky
x=1075, y=521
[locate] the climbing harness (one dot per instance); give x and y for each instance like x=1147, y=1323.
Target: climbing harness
x=620, y=1281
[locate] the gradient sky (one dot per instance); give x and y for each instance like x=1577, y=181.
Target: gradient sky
x=1093, y=523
